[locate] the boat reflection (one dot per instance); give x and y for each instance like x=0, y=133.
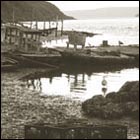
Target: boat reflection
x=79, y=83
x=80, y=86
x=35, y=84
x=104, y=86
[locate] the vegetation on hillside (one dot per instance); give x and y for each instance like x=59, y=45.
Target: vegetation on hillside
x=27, y=10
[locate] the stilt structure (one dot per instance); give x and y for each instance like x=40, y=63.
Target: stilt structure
x=61, y=27
x=56, y=26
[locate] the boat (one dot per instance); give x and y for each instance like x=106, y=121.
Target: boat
x=95, y=59
x=8, y=67
x=8, y=64
x=25, y=47
x=37, y=59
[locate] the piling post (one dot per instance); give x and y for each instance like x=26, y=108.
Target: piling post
x=38, y=44
x=10, y=36
x=44, y=25
x=26, y=42
x=49, y=24
x=67, y=45
x=75, y=46
x=61, y=27
x=56, y=26
x=16, y=36
x=6, y=34
x=36, y=25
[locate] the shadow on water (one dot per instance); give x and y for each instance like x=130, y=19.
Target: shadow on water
x=76, y=70
x=78, y=82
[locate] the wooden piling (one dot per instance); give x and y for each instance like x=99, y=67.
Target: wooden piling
x=44, y=25
x=67, y=45
x=61, y=27
x=49, y=24
x=56, y=26
x=36, y=25
x=10, y=39
x=25, y=42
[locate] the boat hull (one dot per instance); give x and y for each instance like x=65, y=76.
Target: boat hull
x=37, y=60
x=70, y=58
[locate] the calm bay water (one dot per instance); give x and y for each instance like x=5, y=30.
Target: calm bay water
x=113, y=30
x=82, y=86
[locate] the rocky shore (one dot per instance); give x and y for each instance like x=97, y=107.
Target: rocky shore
x=21, y=106
x=120, y=107
x=124, y=103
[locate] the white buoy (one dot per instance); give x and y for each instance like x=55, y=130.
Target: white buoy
x=104, y=82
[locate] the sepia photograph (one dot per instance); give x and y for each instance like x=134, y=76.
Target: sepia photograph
x=69, y=69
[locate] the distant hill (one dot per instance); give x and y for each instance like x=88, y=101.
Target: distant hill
x=30, y=10
x=113, y=12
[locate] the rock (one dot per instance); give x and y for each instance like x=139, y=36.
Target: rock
x=131, y=109
x=129, y=92
x=125, y=102
x=94, y=101
x=112, y=111
x=112, y=96
x=130, y=87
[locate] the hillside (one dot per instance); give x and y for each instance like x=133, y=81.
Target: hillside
x=27, y=10
x=112, y=12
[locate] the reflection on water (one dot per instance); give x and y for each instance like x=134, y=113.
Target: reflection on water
x=104, y=86
x=82, y=86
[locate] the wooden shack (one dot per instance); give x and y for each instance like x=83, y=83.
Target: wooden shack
x=11, y=33
x=24, y=39
x=29, y=40
x=76, y=38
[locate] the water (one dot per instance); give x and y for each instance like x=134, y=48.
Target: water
x=113, y=30
x=82, y=86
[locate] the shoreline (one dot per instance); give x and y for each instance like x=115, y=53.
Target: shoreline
x=22, y=106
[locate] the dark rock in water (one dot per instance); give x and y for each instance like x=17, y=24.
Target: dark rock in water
x=130, y=87
x=129, y=92
x=125, y=102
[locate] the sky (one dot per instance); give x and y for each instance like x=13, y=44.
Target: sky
x=88, y=5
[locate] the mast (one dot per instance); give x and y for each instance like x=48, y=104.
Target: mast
x=13, y=16
x=32, y=12
x=36, y=20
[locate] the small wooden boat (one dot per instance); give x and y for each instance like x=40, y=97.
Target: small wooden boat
x=8, y=64
x=8, y=67
x=46, y=58
x=37, y=60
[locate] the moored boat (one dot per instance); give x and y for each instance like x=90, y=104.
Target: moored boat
x=81, y=58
